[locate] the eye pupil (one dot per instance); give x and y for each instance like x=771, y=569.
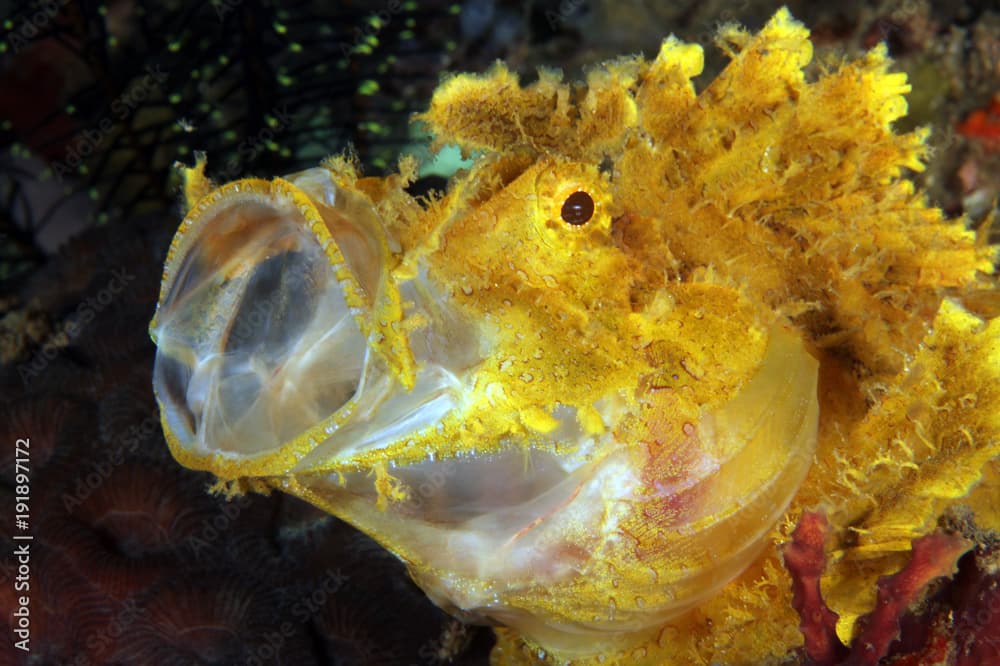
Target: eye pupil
x=578, y=208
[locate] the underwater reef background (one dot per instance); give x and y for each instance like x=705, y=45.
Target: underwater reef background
x=132, y=562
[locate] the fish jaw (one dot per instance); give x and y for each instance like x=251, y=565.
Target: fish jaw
x=277, y=309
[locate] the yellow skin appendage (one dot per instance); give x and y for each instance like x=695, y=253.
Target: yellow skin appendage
x=585, y=394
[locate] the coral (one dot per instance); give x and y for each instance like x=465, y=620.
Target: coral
x=353, y=637
x=975, y=627
x=805, y=558
x=984, y=125
x=183, y=622
x=21, y=331
x=50, y=419
x=933, y=556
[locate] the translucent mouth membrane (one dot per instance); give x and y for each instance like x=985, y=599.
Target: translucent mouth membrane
x=259, y=330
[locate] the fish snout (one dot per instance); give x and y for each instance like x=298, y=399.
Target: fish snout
x=275, y=305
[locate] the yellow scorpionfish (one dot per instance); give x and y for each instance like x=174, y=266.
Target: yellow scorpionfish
x=585, y=393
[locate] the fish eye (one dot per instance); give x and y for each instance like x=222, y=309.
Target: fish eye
x=578, y=208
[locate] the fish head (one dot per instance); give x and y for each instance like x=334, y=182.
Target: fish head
x=494, y=386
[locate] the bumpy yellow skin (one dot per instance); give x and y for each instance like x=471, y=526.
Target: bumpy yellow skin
x=794, y=191
x=766, y=200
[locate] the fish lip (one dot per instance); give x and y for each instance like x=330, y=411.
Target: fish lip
x=333, y=237
x=259, y=303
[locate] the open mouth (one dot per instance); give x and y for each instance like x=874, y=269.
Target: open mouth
x=251, y=304
x=266, y=319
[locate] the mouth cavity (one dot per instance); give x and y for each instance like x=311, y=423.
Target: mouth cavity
x=261, y=328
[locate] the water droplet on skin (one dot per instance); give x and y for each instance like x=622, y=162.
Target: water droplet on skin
x=467, y=290
x=688, y=429
x=766, y=161
x=527, y=377
x=640, y=602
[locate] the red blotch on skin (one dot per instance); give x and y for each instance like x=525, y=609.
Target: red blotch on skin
x=675, y=476
x=676, y=473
